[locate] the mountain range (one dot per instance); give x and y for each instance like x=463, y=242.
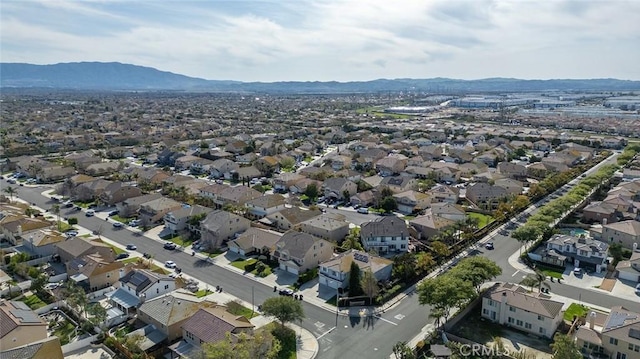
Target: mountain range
x=115, y=76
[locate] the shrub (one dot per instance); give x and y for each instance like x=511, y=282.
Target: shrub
x=249, y=267
x=72, y=221
x=308, y=275
x=260, y=267
x=34, y=272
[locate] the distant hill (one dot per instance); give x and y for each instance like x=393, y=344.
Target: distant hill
x=118, y=76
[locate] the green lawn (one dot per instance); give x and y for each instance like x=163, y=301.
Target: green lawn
x=34, y=302
x=242, y=263
x=552, y=273
x=202, y=292
x=181, y=242
x=64, y=331
x=85, y=235
x=130, y=260
x=117, y=250
x=483, y=219
x=577, y=310
x=121, y=219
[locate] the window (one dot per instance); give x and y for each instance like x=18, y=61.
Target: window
x=636, y=348
x=541, y=318
x=527, y=325
x=519, y=322
x=492, y=303
x=542, y=330
x=512, y=309
x=166, y=286
x=630, y=346
x=510, y=320
x=486, y=312
x=613, y=341
x=621, y=355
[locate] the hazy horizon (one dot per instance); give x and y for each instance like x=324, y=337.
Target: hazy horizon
x=332, y=40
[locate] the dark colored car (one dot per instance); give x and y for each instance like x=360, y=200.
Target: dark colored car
x=170, y=246
x=113, y=213
x=122, y=256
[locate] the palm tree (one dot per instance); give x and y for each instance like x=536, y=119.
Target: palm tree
x=55, y=209
x=437, y=314
x=11, y=192
x=537, y=279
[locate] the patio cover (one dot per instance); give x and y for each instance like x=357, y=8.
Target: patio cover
x=123, y=298
x=79, y=277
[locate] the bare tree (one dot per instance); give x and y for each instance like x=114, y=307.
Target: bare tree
x=369, y=285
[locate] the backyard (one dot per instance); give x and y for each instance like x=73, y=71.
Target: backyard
x=483, y=219
x=575, y=310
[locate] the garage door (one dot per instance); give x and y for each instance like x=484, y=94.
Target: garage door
x=292, y=270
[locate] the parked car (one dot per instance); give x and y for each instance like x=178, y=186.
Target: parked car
x=113, y=213
x=71, y=233
x=134, y=222
x=170, y=264
x=118, y=224
x=577, y=271
x=363, y=210
x=638, y=289
x=131, y=247
x=170, y=246
x=489, y=245
x=122, y=256
x=68, y=204
x=90, y=213
x=286, y=291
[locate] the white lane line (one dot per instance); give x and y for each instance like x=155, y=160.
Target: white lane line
x=325, y=333
x=386, y=320
x=514, y=274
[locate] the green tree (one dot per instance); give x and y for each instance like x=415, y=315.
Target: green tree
x=526, y=233
x=10, y=191
x=287, y=163
x=424, y=262
x=352, y=240
x=401, y=350
x=564, y=347
x=38, y=283
x=389, y=204
x=538, y=280
x=445, y=292
x=440, y=249
x=55, y=209
x=476, y=270
x=355, y=280
x=97, y=314
x=312, y=192
x=404, y=266
x=369, y=285
x=75, y=297
x=132, y=343
x=363, y=186
x=615, y=249
x=346, y=196
x=284, y=309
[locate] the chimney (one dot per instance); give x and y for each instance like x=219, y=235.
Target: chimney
x=592, y=319
x=604, y=221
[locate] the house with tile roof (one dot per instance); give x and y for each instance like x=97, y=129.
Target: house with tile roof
x=19, y=325
x=580, y=251
x=210, y=325
x=612, y=335
x=131, y=206
x=15, y=225
x=220, y=226
x=93, y=272
x=386, y=234
x=429, y=225
x=514, y=306
x=255, y=241
x=264, y=205
x=43, y=242
x=486, y=196
x=630, y=269
x=117, y=192
x=77, y=247
x=287, y=218
x=178, y=220
x=336, y=187
x=171, y=311
x=48, y=348
x=334, y=273
x=626, y=233
x=153, y=212
x=326, y=226
x=298, y=252
x=412, y=201
x=138, y=286
x=88, y=191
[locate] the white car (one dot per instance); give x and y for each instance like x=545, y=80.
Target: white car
x=90, y=213
x=170, y=264
x=638, y=289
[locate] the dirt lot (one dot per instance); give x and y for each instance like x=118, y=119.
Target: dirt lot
x=480, y=330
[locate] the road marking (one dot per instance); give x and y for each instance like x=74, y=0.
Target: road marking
x=399, y=316
x=325, y=333
x=386, y=320
x=319, y=325
x=514, y=274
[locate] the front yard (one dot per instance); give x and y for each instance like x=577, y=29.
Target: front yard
x=249, y=265
x=575, y=310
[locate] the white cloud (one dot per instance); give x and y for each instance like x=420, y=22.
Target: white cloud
x=334, y=40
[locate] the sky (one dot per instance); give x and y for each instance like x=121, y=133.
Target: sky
x=332, y=40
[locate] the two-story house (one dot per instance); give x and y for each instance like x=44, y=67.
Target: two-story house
x=514, y=306
x=21, y=326
x=581, y=252
x=338, y=187
x=265, y=205
x=411, y=201
x=170, y=312
x=283, y=181
x=131, y=206
x=77, y=247
x=178, y=220
x=210, y=325
x=512, y=170
x=630, y=269
x=298, y=252
x=219, y=226
x=255, y=241
x=389, y=166
x=93, y=272
x=399, y=184
x=326, y=226
x=486, y=196
x=613, y=335
x=222, y=168
x=152, y=212
x=117, y=192
x=138, y=286
x=334, y=273
x=444, y=194
x=287, y=218
x=385, y=234
x=43, y=242
x=626, y=233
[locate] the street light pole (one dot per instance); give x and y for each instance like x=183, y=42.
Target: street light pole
x=337, y=303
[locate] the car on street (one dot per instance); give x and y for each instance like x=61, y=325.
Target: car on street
x=489, y=245
x=68, y=204
x=638, y=289
x=363, y=210
x=170, y=246
x=90, y=213
x=118, y=224
x=504, y=232
x=122, y=256
x=286, y=291
x=170, y=264
x=131, y=247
